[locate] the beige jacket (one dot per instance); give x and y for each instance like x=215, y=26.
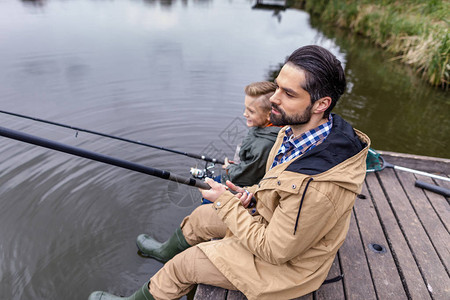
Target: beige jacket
x=303, y=210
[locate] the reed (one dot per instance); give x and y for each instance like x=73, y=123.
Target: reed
x=416, y=32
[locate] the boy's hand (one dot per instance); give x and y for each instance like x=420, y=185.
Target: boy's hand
x=227, y=163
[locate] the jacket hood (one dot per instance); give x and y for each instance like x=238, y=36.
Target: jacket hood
x=340, y=158
x=270, y=133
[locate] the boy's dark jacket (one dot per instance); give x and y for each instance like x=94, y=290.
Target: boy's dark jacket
x=253, y=155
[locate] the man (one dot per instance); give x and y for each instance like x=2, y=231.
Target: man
x=286, y=247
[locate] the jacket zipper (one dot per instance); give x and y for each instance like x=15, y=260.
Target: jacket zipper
x=301, y=203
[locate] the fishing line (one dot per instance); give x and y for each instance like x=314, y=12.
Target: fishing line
x=138, y=142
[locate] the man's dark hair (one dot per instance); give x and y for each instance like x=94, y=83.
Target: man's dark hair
x=323, y=72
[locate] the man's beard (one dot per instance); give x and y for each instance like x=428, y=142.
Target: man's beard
x=283, y=119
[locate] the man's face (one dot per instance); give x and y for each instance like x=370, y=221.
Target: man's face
x=291, y=104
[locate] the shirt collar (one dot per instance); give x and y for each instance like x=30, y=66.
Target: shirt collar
x=309, y=137
x=292, y=147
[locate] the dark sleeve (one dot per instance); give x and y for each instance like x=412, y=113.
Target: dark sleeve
x=253, y=163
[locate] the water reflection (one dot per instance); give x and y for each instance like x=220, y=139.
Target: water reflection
x=385, y=99
x=277, y=6
x=34, y=2
x=389, y=102
x=152, y=3
x=169, y=3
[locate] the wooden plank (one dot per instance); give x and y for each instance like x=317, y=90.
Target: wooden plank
x=428, y=164
x=439, y=202
x=235, y=295
x=208, y=292
x=357, y=280
x=409, y=272
x=431, y=222
x=432, y=270
x=333, y=290
x=443, y=183
x=305, y=297
x=384, y=272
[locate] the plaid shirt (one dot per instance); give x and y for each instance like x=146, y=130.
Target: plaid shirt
x=293, y=147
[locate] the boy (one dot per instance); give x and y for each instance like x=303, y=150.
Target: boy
x=256, y=145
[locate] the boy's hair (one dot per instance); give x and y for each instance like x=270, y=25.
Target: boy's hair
x=323, y=71
x=262, y=91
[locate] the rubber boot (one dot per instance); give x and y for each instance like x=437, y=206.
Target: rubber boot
x=142, y=294
x=162, y=252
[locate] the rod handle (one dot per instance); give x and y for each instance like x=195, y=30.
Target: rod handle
x=434, y=188
x=252, y=201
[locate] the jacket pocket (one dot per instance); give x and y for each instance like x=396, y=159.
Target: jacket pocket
x=281, y=184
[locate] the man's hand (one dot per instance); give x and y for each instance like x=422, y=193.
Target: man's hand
x=242, y=193
x=215, y=192
x=218, y=189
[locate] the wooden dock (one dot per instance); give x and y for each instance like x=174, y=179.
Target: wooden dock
x=398, y=244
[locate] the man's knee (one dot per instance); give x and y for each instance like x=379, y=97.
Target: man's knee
x=180, y=274
x=203, y=211
x=202, y=225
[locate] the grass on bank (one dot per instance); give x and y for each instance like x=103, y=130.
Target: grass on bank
x=416, y=32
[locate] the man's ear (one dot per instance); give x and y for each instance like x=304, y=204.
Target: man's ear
x=321, y=105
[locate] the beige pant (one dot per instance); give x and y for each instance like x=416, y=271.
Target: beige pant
x=179, y=275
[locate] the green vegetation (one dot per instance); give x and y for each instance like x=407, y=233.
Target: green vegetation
x=416, y=32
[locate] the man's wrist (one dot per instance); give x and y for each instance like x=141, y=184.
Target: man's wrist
x=222, y=200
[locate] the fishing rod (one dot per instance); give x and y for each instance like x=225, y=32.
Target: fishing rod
x=31, y=139
x=193, y=155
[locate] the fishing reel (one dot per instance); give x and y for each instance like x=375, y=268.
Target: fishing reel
x=203, y=173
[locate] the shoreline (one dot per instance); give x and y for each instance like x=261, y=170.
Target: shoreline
x=414, y=32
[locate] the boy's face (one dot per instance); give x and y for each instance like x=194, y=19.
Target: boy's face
x=255, y=115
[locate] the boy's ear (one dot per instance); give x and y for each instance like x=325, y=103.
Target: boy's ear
x=321, y=105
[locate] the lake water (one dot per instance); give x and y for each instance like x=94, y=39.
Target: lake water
x=168, y=73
